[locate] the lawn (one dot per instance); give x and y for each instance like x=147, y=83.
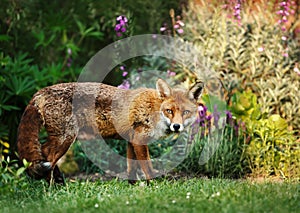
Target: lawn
x=189, y=195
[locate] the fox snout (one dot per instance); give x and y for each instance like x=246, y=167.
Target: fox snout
x=175, y=127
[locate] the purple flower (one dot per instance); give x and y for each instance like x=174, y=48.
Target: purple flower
x=286, y=8
x=124, y=85
x=170, y=73
x=229, y=119
x=124, y=73
x=201, y=111
x=121, y=25
x=118, y=27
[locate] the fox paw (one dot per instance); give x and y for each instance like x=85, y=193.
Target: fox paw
x=56, y=176
x=39, y=169
x=132, y=182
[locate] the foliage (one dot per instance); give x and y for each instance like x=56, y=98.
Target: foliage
x=20, y=79
x=12, y=176
x=273, y=148
x=227, y=155
x=254, y=53
x=218, y=145
x=46, y=30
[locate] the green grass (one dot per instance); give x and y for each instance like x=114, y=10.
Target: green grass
x=215, y=195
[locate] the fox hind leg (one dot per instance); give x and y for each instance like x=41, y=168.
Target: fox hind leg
x=53, y=150
x=29, y=147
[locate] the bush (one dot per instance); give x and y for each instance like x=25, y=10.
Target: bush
x=251, y=52
x=272, y=148
x=12, y=176
x=218, y=147
x=20, y=79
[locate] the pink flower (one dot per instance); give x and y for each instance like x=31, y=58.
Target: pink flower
x=176, y=26
x=124, y=73
x=180, y=23
x=180, y=31
x=170, y=73
x=124, y=85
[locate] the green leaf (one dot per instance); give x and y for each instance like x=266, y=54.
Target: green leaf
x=20, y=171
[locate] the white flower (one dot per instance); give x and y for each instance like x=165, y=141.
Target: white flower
x=96, y=205
x=260, y=49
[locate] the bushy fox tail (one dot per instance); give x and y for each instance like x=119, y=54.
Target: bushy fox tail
x=29, y=147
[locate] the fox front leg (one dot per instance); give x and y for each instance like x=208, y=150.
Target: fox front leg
x=132, y=164
x=141, y=150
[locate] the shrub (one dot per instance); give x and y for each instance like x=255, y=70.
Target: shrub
x=254, y=53
x=12, y=176
x=218, y=147
x=20, y=79
x=272, y=148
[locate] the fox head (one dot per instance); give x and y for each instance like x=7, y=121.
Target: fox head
x=179, y=107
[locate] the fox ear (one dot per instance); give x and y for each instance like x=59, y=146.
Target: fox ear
x=163, y=89
x=196, y=90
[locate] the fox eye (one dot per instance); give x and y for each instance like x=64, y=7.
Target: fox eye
x=169, y=111
x=185, y=112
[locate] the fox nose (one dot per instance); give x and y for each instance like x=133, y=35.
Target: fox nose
x=176, y=127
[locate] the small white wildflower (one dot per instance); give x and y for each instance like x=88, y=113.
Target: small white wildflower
x=127, y=202
x=296, y=69
x=156, y=187
x=188, y=194
x=260, y=49
x=96, y=205
x=216, y=194
x=187, y=197
x=173, y=201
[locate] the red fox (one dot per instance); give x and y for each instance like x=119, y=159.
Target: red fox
x=138, y=115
